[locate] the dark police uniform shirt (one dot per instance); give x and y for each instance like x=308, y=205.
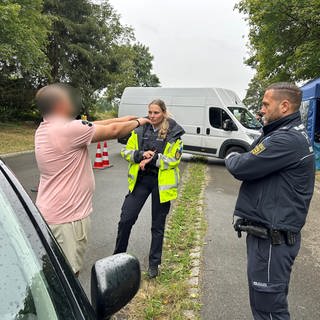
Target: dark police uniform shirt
x=150, y=141
x=278, y=176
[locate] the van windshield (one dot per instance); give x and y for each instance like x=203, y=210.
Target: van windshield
x=246, y=118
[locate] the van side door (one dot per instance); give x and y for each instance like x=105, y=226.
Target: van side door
x=192, y=120
x=215, y=135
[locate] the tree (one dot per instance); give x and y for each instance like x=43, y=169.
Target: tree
x=23, y=38
x=283, y=40
x=255, y=92
x=76, y=42
x=81, y=44
x=131, y=67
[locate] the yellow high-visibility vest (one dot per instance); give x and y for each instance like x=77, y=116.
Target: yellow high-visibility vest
x=169, y=174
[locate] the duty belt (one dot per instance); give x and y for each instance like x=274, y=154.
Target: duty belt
x=277, y=236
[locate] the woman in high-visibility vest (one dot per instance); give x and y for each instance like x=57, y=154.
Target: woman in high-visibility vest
x=153, y=152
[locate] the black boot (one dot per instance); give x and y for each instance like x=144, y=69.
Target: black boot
x=153, y=272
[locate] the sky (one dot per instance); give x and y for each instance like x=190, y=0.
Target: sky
x=195, y=43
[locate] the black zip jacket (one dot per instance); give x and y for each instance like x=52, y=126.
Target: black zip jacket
x=278, y=176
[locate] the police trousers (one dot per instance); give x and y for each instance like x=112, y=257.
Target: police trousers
x=269, y=270
x=147, y=184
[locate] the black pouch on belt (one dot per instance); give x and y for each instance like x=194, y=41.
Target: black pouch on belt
x=277, y=237
x=291, y=238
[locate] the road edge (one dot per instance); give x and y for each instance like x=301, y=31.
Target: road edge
x=14, y=154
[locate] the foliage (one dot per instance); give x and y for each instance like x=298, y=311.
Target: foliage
x=23, y=36
x=23, y=39
x=284, y=41
x=77, y=42
x=132, y=65
x=254, y=95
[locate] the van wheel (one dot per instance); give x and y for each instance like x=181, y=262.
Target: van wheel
x=234, y=149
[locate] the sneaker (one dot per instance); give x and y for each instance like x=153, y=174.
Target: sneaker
x=153, y=272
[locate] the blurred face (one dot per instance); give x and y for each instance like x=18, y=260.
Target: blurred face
x=273, y=108
x=65, y=106
x=156, y=115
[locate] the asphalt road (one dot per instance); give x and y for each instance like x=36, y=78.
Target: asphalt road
x=224, y=284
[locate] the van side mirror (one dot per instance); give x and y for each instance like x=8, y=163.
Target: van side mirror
x=228, y=125
x=114, y=282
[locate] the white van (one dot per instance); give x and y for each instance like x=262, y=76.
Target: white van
x=215, y=120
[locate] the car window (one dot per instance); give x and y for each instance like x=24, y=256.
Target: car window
x=217, y=116
x=29, y=287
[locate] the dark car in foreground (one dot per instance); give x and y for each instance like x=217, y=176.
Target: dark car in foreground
x=36, y=282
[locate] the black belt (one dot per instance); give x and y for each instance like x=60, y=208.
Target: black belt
x=277, y=236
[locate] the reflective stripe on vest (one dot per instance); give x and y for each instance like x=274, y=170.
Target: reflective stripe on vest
x=129, y=152
x=166, y=161
x=171, y=186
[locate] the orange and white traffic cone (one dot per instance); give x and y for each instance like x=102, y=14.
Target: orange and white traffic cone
x=98, y=161
x=105, y=156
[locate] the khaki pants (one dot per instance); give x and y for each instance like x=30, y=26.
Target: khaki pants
x=73, y=239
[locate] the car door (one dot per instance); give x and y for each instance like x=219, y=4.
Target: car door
x=37, y=283
x=215, y=135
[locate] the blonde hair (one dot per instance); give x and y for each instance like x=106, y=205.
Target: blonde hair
x=164, y=128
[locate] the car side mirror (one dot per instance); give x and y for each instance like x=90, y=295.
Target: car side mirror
x=228, y=125
x=114, y=282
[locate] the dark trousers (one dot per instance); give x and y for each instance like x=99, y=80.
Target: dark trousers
x=269, y=270
x=133, y=203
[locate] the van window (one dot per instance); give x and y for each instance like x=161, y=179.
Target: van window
x=246, y=118
x=217, y=116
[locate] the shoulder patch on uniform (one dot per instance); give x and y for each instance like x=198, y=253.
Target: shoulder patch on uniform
x=178, y=154
x=86, y=123
x=258, y=149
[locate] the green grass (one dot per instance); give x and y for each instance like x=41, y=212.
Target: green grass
x=168, y=296
x=15, y=137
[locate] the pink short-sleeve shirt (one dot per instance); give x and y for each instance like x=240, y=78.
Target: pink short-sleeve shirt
x=66, y=177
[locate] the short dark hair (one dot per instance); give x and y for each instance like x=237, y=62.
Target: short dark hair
x=48, y=96
x=289, y=91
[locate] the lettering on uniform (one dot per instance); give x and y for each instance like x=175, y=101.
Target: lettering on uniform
x=258, y=149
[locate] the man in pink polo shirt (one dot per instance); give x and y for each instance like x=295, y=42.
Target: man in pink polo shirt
x=66, y=177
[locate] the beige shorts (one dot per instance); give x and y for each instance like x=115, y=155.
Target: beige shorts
x=73, y=239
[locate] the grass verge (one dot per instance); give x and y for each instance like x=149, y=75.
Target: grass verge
x=168, y=296
x=15, y=137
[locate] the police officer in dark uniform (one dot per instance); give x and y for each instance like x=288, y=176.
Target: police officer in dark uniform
x=278, y=180
x=153, y=152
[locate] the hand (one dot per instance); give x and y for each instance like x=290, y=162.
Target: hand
x=143, y=121
x=143, y=163
x=128, y=118
x=148, y=154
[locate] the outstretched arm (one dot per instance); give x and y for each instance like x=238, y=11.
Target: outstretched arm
x=117, y=130
x=114, y=120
